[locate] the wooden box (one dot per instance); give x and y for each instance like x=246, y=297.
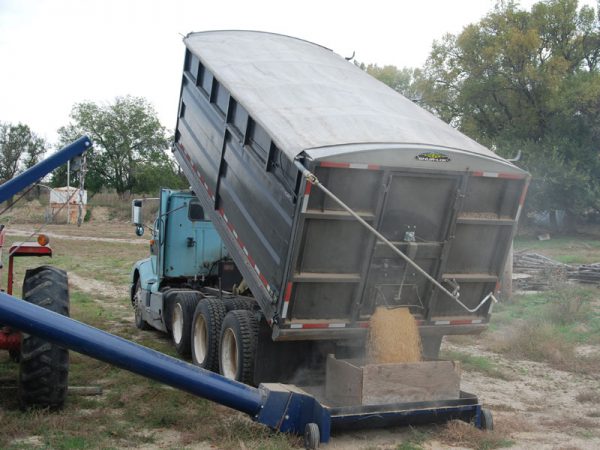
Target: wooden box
x=353, y=382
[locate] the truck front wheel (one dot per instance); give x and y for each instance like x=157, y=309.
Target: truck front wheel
x=138, y=304
x=239, y=334
x=44, y=367
x=206, y=329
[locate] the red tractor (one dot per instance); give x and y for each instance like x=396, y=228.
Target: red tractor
x=44, y=367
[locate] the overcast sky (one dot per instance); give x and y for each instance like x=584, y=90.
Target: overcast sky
x=54, y=53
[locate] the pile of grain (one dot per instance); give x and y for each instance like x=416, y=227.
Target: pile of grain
x=394, y=337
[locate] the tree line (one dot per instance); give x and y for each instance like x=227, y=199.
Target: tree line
x=129, y=155
x=522, y=81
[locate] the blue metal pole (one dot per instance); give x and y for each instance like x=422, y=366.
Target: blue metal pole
x=43, y=168
x=122, y=353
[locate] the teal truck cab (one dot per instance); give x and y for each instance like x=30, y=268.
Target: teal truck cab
x=187, y=262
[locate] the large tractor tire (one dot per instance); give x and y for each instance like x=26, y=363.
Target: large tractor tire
x=44, y=367
x=206, y=331
x=237, y=352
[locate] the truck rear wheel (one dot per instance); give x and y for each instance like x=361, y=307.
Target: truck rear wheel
x=44, y=367
x=231, y=304
x=239, y=335
x=182, y=313
x=206, y=329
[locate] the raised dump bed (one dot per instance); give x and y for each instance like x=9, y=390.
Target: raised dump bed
x=254, y=104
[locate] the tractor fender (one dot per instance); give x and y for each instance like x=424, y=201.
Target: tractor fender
x=142, y=271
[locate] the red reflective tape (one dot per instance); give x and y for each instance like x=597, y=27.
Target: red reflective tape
x=374, y=167
x=335, y=164
x=221, y=212
x=230, y=227
x=308, y=188
x=288, y=292
x=477, y=174
x=263, y=279
x=251, y=260
x=315, y=325
x=497, y=288
x=511, y=176
x=461, y=322
x=363, y=325
x=524, y=194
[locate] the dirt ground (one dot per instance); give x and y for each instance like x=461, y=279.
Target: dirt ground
x=535, y=405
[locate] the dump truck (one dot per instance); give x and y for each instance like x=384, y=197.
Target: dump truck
x=317, y=195
x=327, y=194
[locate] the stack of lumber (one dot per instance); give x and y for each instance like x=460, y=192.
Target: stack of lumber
x=543, y=272
x=585, y=273
x=535, y=272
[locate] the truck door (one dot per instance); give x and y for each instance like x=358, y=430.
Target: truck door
x=191, y=244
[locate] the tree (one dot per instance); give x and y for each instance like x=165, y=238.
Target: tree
x=20, y=149
x=128, y=140
x=527, y=80
x=401, y=80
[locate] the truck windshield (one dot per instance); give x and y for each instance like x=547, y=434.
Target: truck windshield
x=195, y=211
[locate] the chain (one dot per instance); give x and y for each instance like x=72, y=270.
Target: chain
x=82, y=171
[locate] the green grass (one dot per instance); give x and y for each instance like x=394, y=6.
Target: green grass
x=547, y=326
x=569, y=311
x=476, y=364
x=568, y=250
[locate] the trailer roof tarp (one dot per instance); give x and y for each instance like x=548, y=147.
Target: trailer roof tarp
x=306, y=96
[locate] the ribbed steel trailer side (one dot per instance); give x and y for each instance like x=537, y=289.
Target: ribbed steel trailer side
x=252, y=104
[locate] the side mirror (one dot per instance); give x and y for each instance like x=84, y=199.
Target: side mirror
x=136, y=212
x=139, y=230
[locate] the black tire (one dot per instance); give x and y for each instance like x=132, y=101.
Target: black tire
x=44, y=367
x=231, y=304
x=206, y=333
x=487, y=420
x=182, y=313
x=237, y=348
x=137, y=302
x=312, y=436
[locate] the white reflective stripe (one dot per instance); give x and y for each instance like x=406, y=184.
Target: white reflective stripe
x=490, y=174
x=337, y=325
x=234, y=233
x=519, y=209
x=477, y=321
x=225, y=217
x=257, y=269
x=442, y=322
x=245, y=251
x=296, y=325
x=285, y=309
x=305, y=203
x=358, y=166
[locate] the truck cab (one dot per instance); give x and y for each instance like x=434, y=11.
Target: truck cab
x=186, y=253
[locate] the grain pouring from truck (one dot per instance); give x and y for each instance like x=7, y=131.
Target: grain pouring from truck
x=328, y=194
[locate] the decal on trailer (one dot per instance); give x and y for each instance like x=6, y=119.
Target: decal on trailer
x=432, y=156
